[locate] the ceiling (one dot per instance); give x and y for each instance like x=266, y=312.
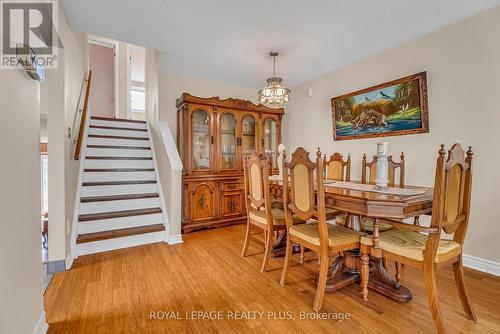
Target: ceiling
x=229, y=40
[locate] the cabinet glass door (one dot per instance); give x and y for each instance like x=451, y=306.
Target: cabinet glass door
x=271, y=140
x=248, y=136
x=200, y=128
x=227, y=141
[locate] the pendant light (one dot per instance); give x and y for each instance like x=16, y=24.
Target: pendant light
x=274, y=93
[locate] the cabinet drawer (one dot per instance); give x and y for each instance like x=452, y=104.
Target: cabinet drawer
x=232, y=204
x=229, y=186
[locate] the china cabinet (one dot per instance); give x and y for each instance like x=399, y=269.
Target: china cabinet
x=213, y=138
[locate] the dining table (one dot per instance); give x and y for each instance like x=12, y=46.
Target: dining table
x=367, y=201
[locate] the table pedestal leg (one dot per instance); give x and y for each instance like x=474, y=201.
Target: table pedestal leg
x=345, y=270
x=382, y=282
x=279, y=246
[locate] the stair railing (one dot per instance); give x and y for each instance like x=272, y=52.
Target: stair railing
x=79, y=139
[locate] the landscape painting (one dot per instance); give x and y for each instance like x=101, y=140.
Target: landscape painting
x=393, y=108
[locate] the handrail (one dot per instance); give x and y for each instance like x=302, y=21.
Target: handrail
x=78, y=111
x=83, y=119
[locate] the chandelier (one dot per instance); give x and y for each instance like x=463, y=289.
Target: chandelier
x=274, y=93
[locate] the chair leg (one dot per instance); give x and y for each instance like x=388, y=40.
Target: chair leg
x=247, y=240
x=458, y=272
x=320, y=290
x=398, y=266
x=432, y=296
x=365, y=271
x=267, y=252
x=286, y=265
x=301, y=254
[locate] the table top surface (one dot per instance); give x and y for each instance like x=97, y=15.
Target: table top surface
x=425, y=194
x=371, y=203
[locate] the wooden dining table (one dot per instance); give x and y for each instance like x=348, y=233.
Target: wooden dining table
x=359, y=201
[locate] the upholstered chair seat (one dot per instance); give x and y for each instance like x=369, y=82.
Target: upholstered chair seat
x=278, y=215
x=337, y=235
x=366, y=224
x=411, y=244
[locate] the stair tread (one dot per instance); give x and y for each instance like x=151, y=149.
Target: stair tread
x=117, y=197
x=117, y=214
x=116, y=183
x=117, y=137
x=98, y=157
x=124, y=232
x=116, y=128
x=117, y=170
x=118, y=147
x=116, y=119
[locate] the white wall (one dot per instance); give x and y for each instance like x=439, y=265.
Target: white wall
x=61, y=93
x=172, y=86
x=463, y=76
x=21, y=302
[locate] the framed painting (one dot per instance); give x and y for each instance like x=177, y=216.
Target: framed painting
x=394, y=108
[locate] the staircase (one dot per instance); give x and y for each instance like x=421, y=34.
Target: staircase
x=120, y=202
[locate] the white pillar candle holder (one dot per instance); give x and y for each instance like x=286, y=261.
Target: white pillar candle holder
x=381, y=179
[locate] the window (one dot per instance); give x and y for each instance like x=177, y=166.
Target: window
x=137, y=92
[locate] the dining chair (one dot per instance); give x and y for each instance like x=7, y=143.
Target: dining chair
x=450, y=214
x=299, y=199
x=370, y=168
x=260, y=212
x=336, y=169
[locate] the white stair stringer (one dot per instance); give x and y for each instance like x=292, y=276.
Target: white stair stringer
x=121, y=204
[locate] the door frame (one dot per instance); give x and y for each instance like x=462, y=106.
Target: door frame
x=131, y=47
x=109, y=43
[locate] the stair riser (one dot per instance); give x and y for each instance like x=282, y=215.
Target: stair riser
x=118, y=176
x=118, y=243
x=114, y=152
x=131, y=204
x=130, y=125
x=119, y=190
x=118, y=142
x=93, y=163
x=113, y=132
x=119, y=223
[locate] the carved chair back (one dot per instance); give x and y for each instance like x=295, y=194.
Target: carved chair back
x=336, y=168
x=301, y=177
x=256, y=174
x=452, y=195
x=392, y=166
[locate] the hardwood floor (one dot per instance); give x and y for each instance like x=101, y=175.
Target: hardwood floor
x=115, y=292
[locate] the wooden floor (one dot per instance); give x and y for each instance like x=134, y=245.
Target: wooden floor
x=115, y=292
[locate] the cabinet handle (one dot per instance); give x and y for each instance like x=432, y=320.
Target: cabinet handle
x=201, y=201
x=232, y=206
x=238, y=141
x=262, y=142
x=212, y=140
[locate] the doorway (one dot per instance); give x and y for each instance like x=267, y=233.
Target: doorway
x=102, y=61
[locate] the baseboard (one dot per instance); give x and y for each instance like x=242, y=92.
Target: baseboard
x=41, y=326
x=481, y=264
x=69, y=261
x=56, y=266
x=175, y=239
